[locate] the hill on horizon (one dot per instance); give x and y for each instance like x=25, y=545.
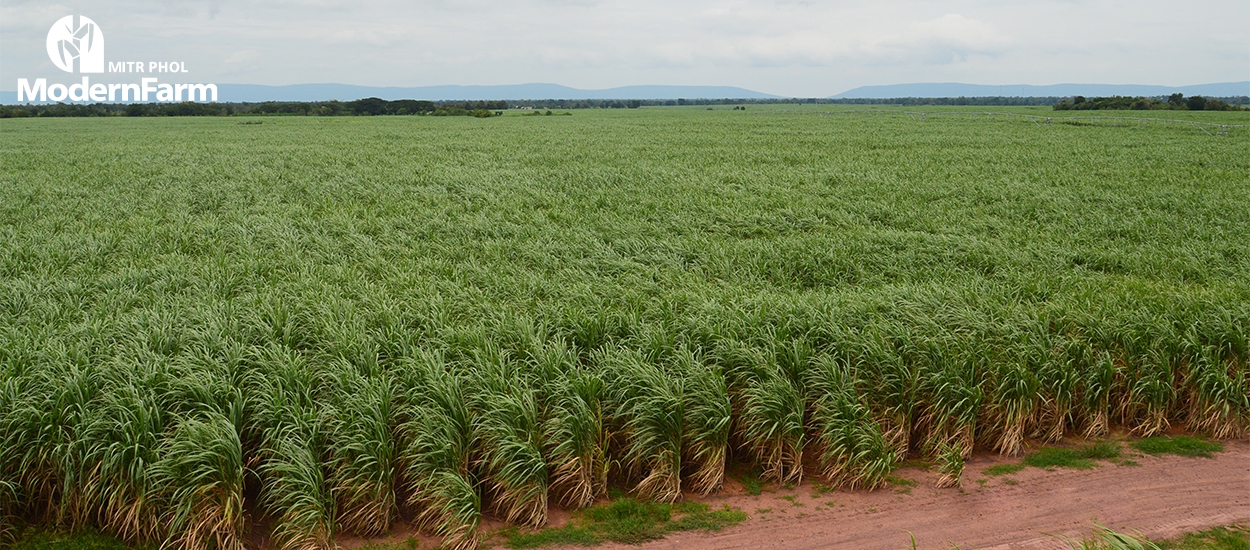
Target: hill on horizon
x=955, y=89
x=346, y=92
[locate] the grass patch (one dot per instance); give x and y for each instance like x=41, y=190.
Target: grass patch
x=697, y=516
x=567, y=535
x=1181, y=445
x=1234, y=537
x=903, y=485
x=1052, y=457
x=1081, y=458
x=819, y=490
x=895, y=480
x=410, y=543
x=628, y=521
x=751, y=482
x=1003, y=469
x=86, y=540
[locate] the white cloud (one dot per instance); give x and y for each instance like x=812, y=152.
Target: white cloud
x=241, y=57
x=947, y=39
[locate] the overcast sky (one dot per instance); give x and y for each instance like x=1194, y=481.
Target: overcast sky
x=785, y=47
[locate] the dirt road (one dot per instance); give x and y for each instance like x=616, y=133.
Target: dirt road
x=1162, y=497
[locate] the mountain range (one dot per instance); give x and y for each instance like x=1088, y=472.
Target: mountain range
x=345, y=92
x=952, y=89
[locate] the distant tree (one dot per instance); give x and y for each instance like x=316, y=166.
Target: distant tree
x=369, y=106
x=1213, y=104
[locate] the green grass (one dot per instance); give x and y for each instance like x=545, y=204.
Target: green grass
x=1081, y=458
x=629, y=521
x=1004, y=469
x=88, y=540
x=1181, y=445
x=410, y=543
x=697, y=516
x=1102, y=450
x=900, y=481
x=820, y=489
x=1051, y=457
x=487, y=316
x=902, y=485
x=751, y=482
x=567, y=535
x=1231, y=537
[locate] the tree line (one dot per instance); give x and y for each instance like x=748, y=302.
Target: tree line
x=362, y=107
x=1176, y=102
x=376, y=107
x=904, y=101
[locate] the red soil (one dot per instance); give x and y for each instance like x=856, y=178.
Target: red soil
x=1162, y=497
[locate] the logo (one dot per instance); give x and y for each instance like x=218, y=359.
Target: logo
x=76, y=45
x=75, y=42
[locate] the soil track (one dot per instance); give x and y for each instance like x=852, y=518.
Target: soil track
x=1163, y=497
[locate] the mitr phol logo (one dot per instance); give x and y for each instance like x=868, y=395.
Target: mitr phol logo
x=76, y=45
